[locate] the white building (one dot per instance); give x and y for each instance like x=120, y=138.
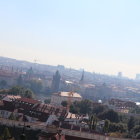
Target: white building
x=57, y=98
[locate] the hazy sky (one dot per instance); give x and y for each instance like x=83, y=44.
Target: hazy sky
x=98, y=35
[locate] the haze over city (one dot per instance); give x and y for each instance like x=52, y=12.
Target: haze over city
x=100, y=36
x=69, y=70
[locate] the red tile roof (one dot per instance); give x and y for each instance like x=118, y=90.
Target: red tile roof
x=27, y=100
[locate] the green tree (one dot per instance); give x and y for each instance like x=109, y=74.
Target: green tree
x=47, y=101
x=92, y=122
x=6, y=134
x=24, y=92
x=36, y=86
x=74, y=109
x=28, y=93
x=64, y=103
x=135, y=130
x=56, y=82
x=97, y=108
x=12, y=116
x=109, y=115
x=106, y=126
x=117, y=127
x=131, y=123
x=16, y=90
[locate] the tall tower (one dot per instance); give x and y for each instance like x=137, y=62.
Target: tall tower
x=82, y=78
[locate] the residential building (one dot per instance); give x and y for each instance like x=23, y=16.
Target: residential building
x=57, y=98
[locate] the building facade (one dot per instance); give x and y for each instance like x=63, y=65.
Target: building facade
x=58, y=98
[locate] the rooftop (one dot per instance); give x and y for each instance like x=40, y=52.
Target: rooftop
x=11, y=97
x=27, y=100
x=67, y=94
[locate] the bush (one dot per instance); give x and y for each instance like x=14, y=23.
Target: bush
x=109, y=115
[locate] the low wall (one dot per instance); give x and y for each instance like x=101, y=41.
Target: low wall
x=89, y=135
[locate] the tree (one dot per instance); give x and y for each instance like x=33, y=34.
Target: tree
x=24, y=92
x=35, y=86
x=106, y=126
x=16, y=90
x=135, y=130
x=74, y=109
x=56, y=82
x=6, y=134
x=117, y=127
x=131, y=123
x=47, y=101
x=109, y=115
x=12, y=116
x=64, y=103
x=28, y=93
x=97, y=108
x=92, y=123
x=87, y=107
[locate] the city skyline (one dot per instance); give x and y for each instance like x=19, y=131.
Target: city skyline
x=99, y=36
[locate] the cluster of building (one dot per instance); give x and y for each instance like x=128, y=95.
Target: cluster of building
x=31, y=110
x=121, y=106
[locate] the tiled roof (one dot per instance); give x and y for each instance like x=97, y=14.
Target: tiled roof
x=27, y=100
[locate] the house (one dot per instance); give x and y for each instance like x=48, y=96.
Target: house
x=29, y=109
x=57, y=98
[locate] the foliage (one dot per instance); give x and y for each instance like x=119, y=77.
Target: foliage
x=47, y=101
x=135, y=130
x=24, y=92
x=92, y=123
x=131, y=123
x=97, y=109
x=87, y=107
x=106, y=126
x=110, y=115
x=74, y=109
x=83, y=107
x=35, y=85
x=117, y=127
x=28, y=93
x=12, y=116
x=6, y=134
x=64, y=103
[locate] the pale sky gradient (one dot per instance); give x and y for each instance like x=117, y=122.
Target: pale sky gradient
x=98, y=35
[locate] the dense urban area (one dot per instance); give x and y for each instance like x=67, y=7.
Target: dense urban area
x=43, y=102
